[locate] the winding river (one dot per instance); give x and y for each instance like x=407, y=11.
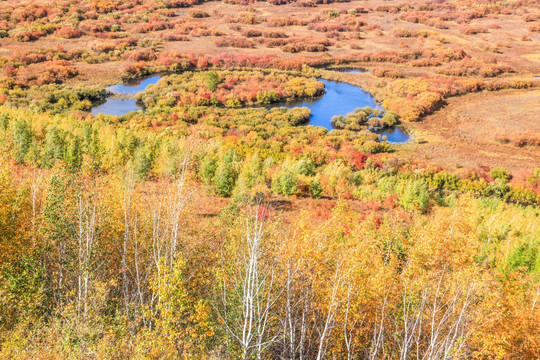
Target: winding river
x=339, y=99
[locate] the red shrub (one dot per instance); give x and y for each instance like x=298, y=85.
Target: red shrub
x=174, y=37
x=139, y=55
x=28, y=35
x=68, y=33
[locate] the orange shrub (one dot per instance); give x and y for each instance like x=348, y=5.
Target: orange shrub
x=534, y=28
x=238, y=42
x=68, y=33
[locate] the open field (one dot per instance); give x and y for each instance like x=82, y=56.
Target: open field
x=467, y=132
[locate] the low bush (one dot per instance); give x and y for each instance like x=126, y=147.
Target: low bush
x=238, y=42
x=68, y=33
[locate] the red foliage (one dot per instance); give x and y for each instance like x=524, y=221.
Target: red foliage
x=48, y=72
x=28, y=35
x=68, y=33
x=347, y=196
x=328, y=27
x=391, y=202
x=140, y=55
x=373, y=205
x=174, y=37
x=354, y=157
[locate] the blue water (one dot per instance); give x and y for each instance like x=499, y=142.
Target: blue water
x=339, y=99
x=393, y=135
x=116, y=106
x=120, y=106
x=134, y=86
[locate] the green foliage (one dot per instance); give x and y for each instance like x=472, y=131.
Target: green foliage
x=315, y=188
x=250, y=176
x=226, y=174
x=305, y=166
x=144, y=160
x=390, y=118
x=73, y=154
x=267, y=97
x=413, y=194
x=285, y=183
x=21, y=292
x=4, y=121
x=208, y=168
x=526, y=255
x=54, y=146
x=22, y=139
x=212, y=80
x=500, y=173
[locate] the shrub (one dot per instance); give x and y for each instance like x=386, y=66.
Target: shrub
x=306, y=44
x=68, y=33
x=285, y=183
x=471, y=30
x=212, y=81
x=285, y=21
x=315, y=188
x=199, y=14
x=174, y=37
x=386, y=72
x=140, y=55
x=500, y=173
x=327, y=27
x=413, y=194
x=525, y=256
x=250, y=33
x=237, y=42
x=28, y=35
x=534, y=27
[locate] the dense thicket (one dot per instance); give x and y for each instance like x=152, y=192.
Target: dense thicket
x=109, y=247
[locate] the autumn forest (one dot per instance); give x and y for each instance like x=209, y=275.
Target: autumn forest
x=280, y=179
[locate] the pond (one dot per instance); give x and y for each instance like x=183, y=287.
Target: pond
x=339, y=99
x=394, y=134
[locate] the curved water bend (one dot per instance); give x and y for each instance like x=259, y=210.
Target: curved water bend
x=340, y=98
x=134, y=86
x=121, y=106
